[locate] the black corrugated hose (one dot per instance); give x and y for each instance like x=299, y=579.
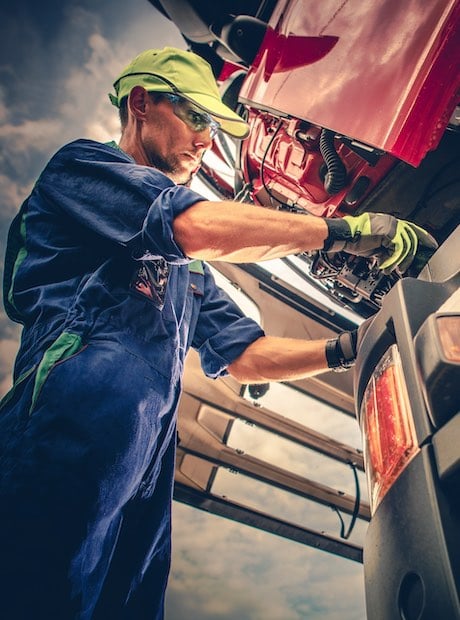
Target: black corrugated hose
x=336, y=175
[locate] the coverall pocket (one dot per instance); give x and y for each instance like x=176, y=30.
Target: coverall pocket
x=63, y=348
x=150, y=280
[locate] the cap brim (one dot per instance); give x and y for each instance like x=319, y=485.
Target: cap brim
x=229, y=121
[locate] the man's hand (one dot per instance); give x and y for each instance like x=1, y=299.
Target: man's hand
x=392, y=241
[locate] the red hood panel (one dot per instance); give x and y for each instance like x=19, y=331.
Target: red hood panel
x=385, y=73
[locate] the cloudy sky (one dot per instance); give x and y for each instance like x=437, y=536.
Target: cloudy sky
x=57, y=63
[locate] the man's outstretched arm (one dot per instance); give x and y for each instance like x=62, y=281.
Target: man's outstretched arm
x=240, y=233
x=272, y=358
x=236, y=232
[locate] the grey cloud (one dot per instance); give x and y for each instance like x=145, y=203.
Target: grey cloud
x=235, y=571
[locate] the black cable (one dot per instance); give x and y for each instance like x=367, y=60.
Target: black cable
x=262, y=164
x=355, y=513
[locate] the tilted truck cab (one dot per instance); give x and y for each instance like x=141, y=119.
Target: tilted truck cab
x=407, y=390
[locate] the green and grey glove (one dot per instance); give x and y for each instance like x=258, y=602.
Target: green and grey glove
x=393, y=242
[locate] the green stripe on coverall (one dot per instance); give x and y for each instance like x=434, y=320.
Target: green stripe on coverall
x=196, y=266
x=66, y=345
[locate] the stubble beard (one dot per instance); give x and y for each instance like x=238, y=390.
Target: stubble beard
x=170, y=167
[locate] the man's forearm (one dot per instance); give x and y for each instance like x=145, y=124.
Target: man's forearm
x=236, y=232
x=271, y=358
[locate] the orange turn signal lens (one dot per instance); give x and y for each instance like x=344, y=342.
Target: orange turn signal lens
x=449, y=336
x=388, y=430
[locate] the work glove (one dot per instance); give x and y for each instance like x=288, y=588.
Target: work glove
x=393, y=242
x=341, y=351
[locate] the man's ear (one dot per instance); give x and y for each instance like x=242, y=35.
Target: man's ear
x=137, y=102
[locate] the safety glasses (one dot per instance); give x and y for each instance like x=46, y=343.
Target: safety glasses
x=193, y=117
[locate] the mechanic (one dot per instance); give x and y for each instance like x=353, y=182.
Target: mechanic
x=104, y=270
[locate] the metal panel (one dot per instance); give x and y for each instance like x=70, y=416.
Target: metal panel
x=208, y=410
x=333, y=63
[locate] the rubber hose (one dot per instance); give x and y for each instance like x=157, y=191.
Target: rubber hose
x=336, y=176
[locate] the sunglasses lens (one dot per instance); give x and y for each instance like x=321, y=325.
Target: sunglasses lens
x=195, y=118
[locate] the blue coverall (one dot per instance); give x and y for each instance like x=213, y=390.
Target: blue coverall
x=110, y=306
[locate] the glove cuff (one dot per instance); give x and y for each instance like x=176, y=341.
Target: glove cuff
x=339, y=232
x=341, y=351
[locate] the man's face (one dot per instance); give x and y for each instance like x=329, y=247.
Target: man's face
x=170, y=144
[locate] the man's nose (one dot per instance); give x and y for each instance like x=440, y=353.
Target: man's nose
x=202, y=139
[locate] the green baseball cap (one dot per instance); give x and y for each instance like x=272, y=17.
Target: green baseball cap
x=171, y=70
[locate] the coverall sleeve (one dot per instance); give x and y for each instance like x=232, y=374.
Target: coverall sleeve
x=106, y=192
x=223, y=331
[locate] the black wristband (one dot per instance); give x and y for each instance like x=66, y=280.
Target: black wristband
x=341, y=351
x=338, y=230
